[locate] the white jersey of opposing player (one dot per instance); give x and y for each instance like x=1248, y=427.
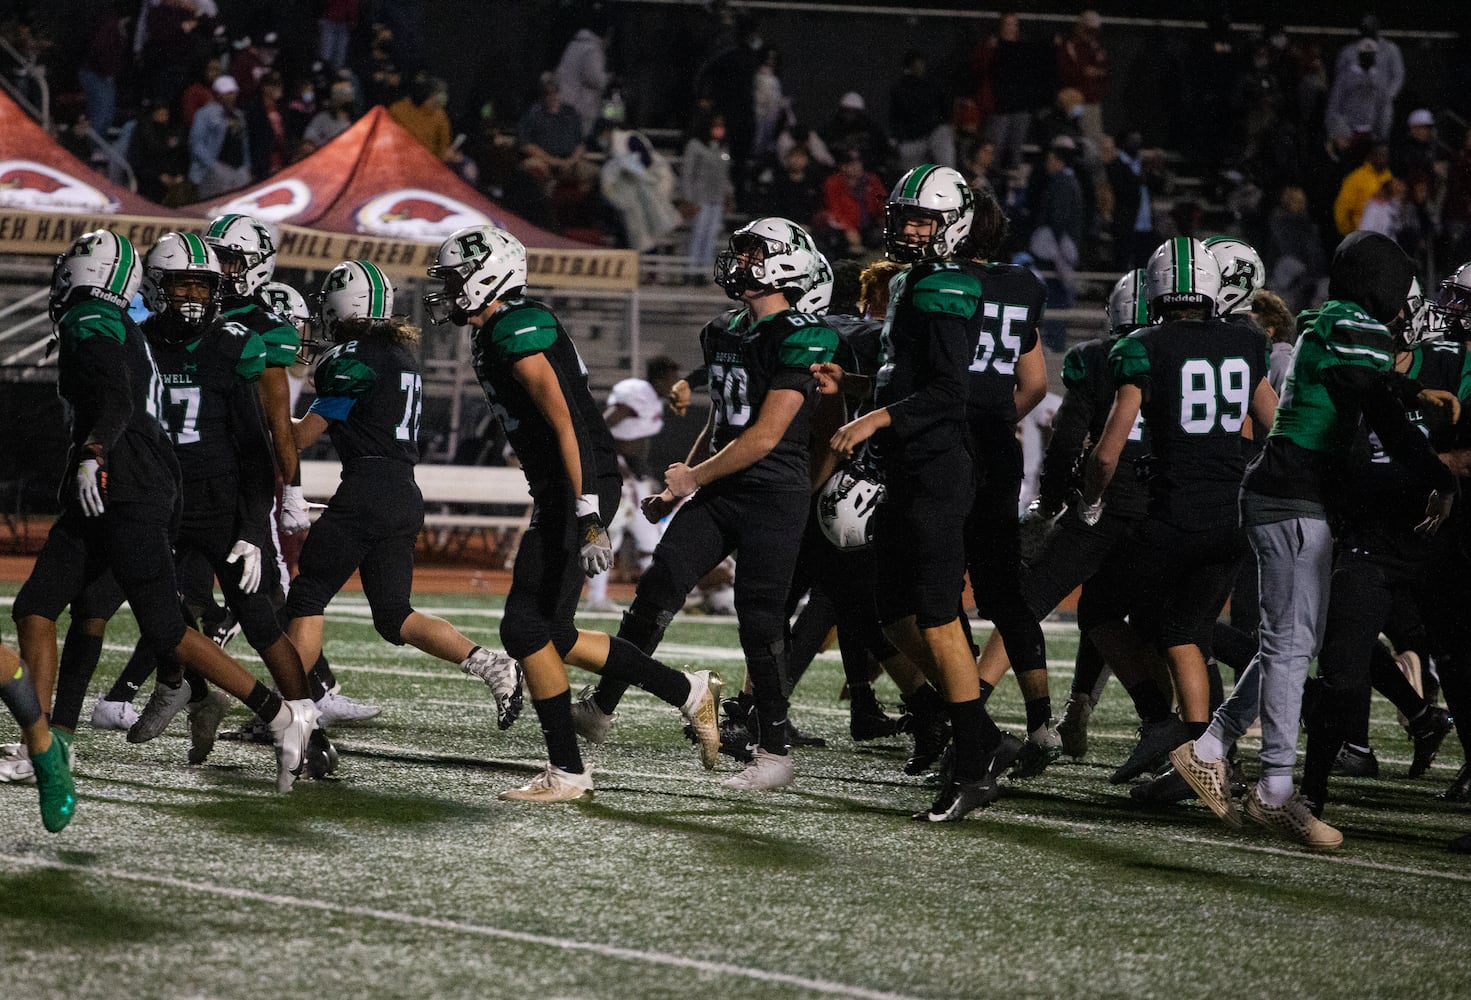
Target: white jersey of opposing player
x=648, y=410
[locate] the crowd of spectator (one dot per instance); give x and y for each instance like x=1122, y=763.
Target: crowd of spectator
x=1293, y=146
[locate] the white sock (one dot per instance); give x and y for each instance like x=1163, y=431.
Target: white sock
x=1274, y=789
x=1209, y=748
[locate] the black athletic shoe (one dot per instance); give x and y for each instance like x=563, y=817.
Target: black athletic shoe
x=797, y=738
x=1460, y=790
x=1351, y=763
x=1235, y=777
x=1427, y=735
x=867, y=719
x=930, y=739
x=1156, y=740
x=1462, y=844
x=1005, y=755
x=1167, y=788
x=321, y=756
x=957, y=798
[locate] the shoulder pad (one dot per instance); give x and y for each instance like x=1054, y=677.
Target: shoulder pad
x=524, y=328
x=93, y=319
x=807, y=342
x=343, y=375
x=946, y=289
x=1128, y=359
x=1076, y=362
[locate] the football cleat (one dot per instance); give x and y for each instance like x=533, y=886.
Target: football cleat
x=867, y=719
x=257, y=730
x=503, y=676
x=795, y=737
x=766, y=772
x=113, y=714
x=54, y=783
x=1427, y=736
x=1040, y=749
x=292, y=729
x=334, y=707
x=221, y=632
x=205, y=716
x=15, y=764
x=1156, y=740
x=1168, y=788
x=699, y=710
x=321, y=755
x=1074, y=725
x=590, y=721
x=1460, y=789
x=551, y=785
x=957, y=798
x=163, y=704
x=931, y=734
x=1352, y=762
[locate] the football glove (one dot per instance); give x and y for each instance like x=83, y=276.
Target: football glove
x=91, y=483
x=1036, y=525
x=249, y=558
x=1091, y=513
x=1437, y=509
x=596, y=553
x=294, y=518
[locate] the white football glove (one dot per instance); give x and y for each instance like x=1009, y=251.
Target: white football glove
x=1035, y=526
x=596, y=553
x=249, y=558
x=1091, y=513
x=294, y=518
x=89, y=485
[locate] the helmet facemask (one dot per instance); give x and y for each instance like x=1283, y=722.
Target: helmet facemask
x=1452, y=310
x=447, y=304
x=913, y=234
x=192, y=299
x=741, y=266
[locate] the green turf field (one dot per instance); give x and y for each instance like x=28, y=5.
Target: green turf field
x=407, y=877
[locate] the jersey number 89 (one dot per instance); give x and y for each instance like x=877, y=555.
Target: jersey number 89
x=1210, y=393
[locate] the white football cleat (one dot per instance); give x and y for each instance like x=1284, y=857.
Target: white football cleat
x=767, y=771
x=334, y=706
x=591, y=722
x=113, y=714
x=503, y=676
x=552, y=785
x=292, y=729
x=16, y=767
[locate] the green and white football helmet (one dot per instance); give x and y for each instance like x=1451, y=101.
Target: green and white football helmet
x=97, y=265
x=246, y=251
x=476, y=266
x=177, y=261
x=354, y=289
x=928, y=194
x=1242, y=273
x=768, y=255
x=1128, y=304
x=1182, y=273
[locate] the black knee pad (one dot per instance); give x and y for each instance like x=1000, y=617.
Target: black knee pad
x=388, y=622
x=524, y=634
x=643, y=624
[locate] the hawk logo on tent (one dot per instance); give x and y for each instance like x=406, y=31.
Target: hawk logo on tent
x=275, y=202
x=26, y=184
x=414, y=213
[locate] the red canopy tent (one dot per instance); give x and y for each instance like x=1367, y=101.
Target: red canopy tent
x=375, y=193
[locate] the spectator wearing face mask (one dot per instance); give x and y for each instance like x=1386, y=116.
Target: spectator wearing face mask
x=1387, y=56
x=1360, y=103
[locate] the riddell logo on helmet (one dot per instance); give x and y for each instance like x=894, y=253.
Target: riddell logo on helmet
x=26, y=184
x=276, y=202
x=414, y=213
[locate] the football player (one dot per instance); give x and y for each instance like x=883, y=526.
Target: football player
x=369, y=398
x=750, y=468
x=1341, y=369
x=920, y=431
x=122, y=495
x=209, y=366
x=536, y=384
x=1196, y=378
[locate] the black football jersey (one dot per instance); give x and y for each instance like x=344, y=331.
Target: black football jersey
x=521, y=328
x=746, y=361
x=1079, y=424
x=929, y=342
x=199, y=380
x=371, y=393
x=1197, y=378
x=1012, y=302
x=281, y=339
x=106, y=374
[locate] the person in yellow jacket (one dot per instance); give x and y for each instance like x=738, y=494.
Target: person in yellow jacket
x=1359, y=186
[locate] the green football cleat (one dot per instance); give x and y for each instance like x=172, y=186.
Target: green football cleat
x=54, y=782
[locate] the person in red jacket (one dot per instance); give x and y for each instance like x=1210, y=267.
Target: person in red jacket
x=853, y=200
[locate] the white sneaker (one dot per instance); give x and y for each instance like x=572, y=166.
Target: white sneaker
x=292, y=730
x=766, y=771
x=205, y=716
x=334, y=706
x=552, y=785
x=113, y=714
x=16, y=767
x=163, y=704
x=701, y=711
x=503, y=676
x=591, y=722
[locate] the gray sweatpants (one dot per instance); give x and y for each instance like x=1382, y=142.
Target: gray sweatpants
x=1294, y=565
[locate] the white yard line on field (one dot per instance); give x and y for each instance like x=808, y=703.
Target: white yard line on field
x=637, y=955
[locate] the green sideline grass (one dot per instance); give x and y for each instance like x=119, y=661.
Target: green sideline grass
x=407, y=877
